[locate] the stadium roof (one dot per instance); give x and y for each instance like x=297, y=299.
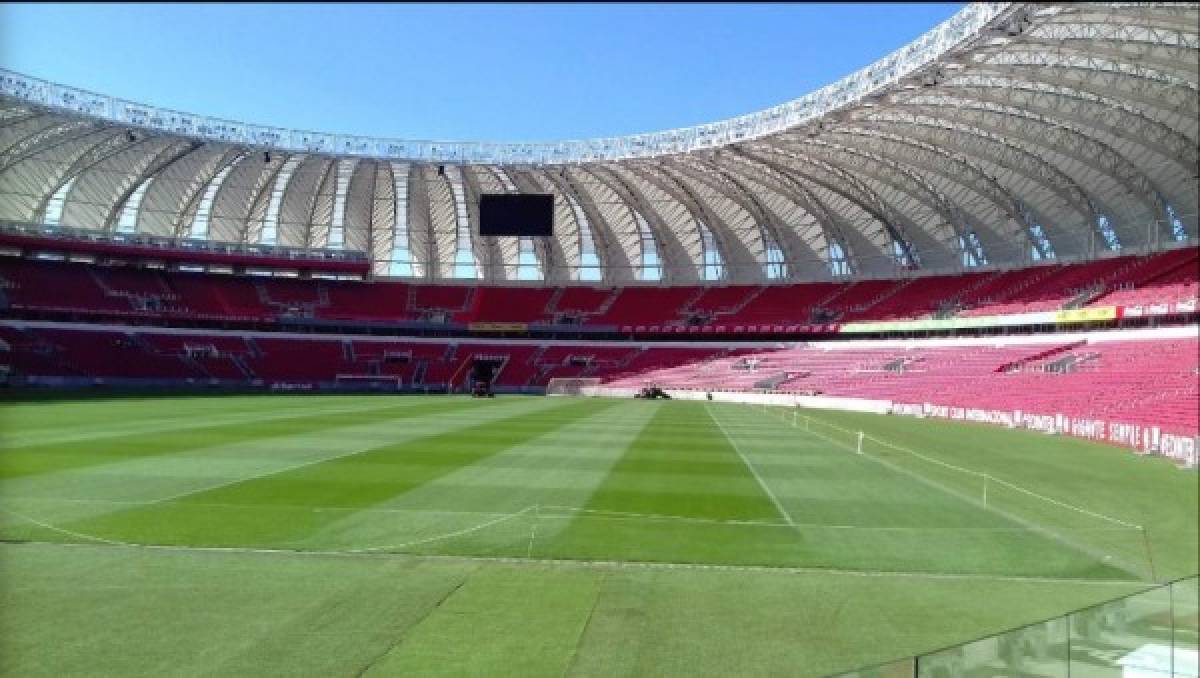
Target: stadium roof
x=1010, y=133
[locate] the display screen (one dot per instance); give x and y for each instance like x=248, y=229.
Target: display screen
x=516, y=214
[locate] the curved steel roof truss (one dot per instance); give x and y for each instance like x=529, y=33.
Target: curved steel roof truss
x=1010, y=133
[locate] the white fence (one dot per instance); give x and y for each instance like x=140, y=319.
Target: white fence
x=754, y=398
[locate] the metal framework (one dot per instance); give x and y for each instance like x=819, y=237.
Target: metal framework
x=1008, y=134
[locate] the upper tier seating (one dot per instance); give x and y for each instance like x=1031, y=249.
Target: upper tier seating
x=83, y=289
x=441, y=297
x=715, y=301
x=212, y=296
x=916, y=297
x=580, y=300
x=511, y=304
x=1175, y=279
x=646, y=306
x=53, y=285
x=367, y=301
x=1050, y=288
x=784, y=305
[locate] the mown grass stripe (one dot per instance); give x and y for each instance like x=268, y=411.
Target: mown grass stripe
x=679, y=439
x=358, y=480
x=151, y=479
x=654, y=477
x=107, y=421
x=560, y=467
x=87, y=610
x=54, y=457
x=787, y=517
x=528, y=621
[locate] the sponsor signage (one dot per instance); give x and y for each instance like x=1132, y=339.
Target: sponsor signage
x=1145, y=439
x=1040, y=318
x=1187, y=306
x=1086, y=315
x=1063, y=317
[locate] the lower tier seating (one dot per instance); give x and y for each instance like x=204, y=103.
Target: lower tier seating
x=1147, y=381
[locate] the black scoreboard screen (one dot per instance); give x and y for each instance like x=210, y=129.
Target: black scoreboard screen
x=516, y=214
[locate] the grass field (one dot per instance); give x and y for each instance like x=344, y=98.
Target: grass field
x=375, y=535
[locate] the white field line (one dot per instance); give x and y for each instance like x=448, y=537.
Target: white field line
x=761, y=483
x=991, y=479
x=63, y=530
x=241, y=479
x=416, y=542
x=533, y=530
x=282, y=507
x=509, y=516
x=552, y=511
x=564, y=562
x=447, y=535
x=256, y=476
x=658, y=518
x=298, y=465
x=1051, y=534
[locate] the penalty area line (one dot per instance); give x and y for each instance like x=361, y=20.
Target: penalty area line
x=1048, y=532
x=581, y=563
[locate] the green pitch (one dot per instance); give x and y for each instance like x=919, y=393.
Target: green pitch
x=375, y=535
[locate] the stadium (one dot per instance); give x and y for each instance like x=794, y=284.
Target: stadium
x=896, y=378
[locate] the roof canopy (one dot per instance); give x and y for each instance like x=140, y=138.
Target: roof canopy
x=1011, y=133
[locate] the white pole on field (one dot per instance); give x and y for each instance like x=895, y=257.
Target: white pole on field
x=860, y=441
x=986, y=478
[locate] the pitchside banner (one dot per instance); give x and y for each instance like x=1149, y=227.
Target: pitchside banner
x=1066, y=317
x=1187, y=306
x=1146, y=439
x=1086, y=315
x=1013, y=319
x=498, y=327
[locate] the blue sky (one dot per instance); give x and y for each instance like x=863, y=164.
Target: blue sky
x=480, y=72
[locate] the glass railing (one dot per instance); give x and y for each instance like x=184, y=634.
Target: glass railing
x=165, y=242
x=1150, y=634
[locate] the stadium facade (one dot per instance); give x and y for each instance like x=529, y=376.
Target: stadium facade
x=1010, y=134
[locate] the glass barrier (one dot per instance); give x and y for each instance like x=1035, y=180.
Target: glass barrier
x=1150, y=634
x=1122, y=637
x=1185, y=626
x=1039, y=650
